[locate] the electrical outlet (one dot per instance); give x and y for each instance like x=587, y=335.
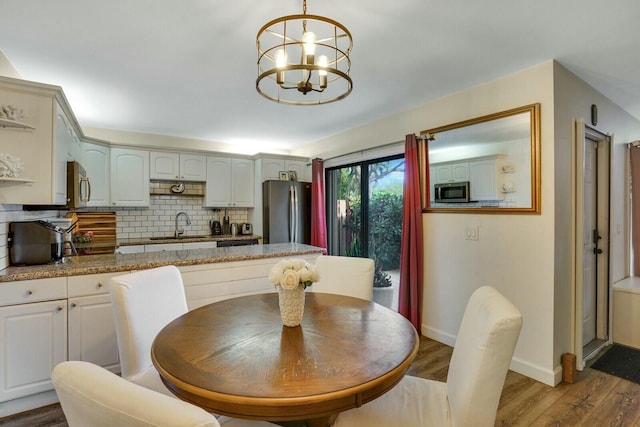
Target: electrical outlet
x=472, y=233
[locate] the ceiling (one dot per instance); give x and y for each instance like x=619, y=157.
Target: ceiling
x=188, y=68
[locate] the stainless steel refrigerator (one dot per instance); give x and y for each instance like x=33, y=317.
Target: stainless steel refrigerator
x=286, y=212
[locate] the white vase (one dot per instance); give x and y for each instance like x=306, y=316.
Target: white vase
x=291, y=302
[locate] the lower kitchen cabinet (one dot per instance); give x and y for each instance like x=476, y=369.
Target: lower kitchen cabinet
x=33, y=339
x=92, y=332
x=47, y=321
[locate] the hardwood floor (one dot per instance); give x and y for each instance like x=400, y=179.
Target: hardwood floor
x=596, y=399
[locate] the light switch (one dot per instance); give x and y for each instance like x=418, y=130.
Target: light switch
x=472, y=233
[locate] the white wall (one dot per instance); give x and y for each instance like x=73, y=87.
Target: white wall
x=573, y=100
x=514, y=253
x=526, y=257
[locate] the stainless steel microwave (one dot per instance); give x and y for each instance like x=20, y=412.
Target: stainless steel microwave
x=452, y=192
x=78, y=186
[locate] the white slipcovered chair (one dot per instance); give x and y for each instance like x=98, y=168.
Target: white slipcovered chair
x=479, y=364
x=91, y=396
x=143, y=303
x=343, y=275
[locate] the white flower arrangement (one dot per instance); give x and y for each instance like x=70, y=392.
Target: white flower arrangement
x=291, y=273
x=10, y=166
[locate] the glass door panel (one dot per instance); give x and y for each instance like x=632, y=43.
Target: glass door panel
x=364, y=219
x=384, y=227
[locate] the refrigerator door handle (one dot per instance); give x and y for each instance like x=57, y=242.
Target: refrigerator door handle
x=291, y=213
x=296, y=214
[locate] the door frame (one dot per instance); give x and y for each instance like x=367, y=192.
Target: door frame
x=603, y=309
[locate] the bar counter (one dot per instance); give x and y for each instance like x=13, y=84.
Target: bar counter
x=93, y=264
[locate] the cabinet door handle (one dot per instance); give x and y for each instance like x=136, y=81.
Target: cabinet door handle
x=59, y=308
x=73, y=305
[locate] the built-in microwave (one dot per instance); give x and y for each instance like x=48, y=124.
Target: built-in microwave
x=78, y=186
x=451, y=192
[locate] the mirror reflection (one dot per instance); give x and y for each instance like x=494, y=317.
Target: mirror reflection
x=487, y=164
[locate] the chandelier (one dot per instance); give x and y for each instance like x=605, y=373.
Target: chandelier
x=304, y=60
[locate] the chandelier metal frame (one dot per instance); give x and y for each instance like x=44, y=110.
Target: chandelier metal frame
x=304, y=60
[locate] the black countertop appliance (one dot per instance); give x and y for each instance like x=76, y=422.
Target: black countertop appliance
x=35, y=242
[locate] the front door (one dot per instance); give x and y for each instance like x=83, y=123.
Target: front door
x=592, y=242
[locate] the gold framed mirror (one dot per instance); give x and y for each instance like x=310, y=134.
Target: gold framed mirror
x=489, y=164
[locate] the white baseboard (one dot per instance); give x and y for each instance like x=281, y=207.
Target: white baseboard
x=518, y=365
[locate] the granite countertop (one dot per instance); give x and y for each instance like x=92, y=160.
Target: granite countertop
x=184, y=239
x=94, y=264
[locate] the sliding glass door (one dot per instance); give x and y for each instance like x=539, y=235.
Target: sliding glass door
x=364, y=218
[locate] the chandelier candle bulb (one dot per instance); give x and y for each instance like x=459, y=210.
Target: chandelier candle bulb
x=309, y=40
x=323, y=62
x=281, y=62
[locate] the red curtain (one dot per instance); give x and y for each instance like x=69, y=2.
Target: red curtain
x=635, y=208
x=410, y=300
x=318, y=211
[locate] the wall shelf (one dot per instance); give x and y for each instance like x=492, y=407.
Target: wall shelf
x=11, y=181
x=6, y=123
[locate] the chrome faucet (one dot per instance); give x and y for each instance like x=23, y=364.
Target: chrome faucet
x=181, y=232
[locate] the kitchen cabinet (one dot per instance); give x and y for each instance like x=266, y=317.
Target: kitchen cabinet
x=33, y=335
x=230, y=182
x=41, y=143
x=95, y=160
x=92, y=332
x=129, y=177
x=178, y=166
x=451, y=172
x=484, y=177
x=68, y=136
x=271, y=168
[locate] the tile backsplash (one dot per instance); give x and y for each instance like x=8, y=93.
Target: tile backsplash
x=157, y=220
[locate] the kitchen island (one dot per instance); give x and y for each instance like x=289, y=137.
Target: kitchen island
x=94, y=264
x=56, y=312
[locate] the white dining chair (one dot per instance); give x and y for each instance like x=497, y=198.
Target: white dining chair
x=479, y=364
x=343, y=275
x=143, y=303
x=91, y=396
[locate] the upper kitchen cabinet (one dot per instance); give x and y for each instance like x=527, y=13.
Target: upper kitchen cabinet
x=451, y=172
x=178, y=166
x=67, y=134
x=95, y=160
x=229, y=183
x=36, y=133
x=271, y=168
x=129, y=177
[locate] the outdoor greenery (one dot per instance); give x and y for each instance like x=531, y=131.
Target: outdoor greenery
x=385, y=217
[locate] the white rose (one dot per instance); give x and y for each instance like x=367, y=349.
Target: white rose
x=315, y=276
x=290, y=280
x=305, y=274
x=276, y=274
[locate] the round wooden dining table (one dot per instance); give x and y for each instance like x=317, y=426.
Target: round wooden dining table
x=235, y=358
